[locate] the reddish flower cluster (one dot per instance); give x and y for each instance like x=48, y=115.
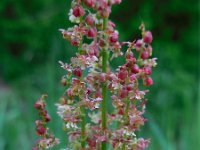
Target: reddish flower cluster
x=89, y=79
x=47, y=140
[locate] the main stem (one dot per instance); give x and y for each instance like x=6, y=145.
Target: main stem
x=104, y=87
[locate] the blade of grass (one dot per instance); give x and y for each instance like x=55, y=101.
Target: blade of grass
x=158, y=134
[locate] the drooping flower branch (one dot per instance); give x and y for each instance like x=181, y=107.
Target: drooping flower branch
x=90, y=81
x=46, y=140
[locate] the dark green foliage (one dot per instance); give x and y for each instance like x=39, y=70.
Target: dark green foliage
x=31, y=46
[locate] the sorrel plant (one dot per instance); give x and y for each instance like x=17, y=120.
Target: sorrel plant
x=91, y=84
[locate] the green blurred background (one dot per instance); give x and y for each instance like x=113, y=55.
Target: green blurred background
x=31, y=46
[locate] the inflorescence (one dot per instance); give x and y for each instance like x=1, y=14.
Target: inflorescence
x=91, y=84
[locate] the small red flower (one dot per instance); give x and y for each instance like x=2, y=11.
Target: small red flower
x=92, y=142
x=135, y=68
x=148, y=81
x=133, y=78
x=129, y=87
x=89, y=20
x=41, y=130
x=89, y=3
x=114, y=37
x=102, y=77
x=121, y=111
x=38, y=105
x=47, y=118
x=77, y=72
x=145, y=55
x=74, y=42
x=123, y=74
x=78, y=11
x=92, y=32
x=138, y=44
x=64, y=82
x=148, y=37
x=129, y=55
x=123, y=93
x=69, y=93
x=147, y=70
x=149, y=49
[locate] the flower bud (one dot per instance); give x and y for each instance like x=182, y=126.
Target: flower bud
x=75, y=81
x=132, y=78
x=43, y=112
x=110, y=86
x=145, y=55
x=129, y=87
x=77, y=72
x=122, y=74
x=41, y=130
x=114, y=37
x=78, y=11
x=64, y=81
x=129, y=55
x=149, y=49
x=121, y=112
x=98, y=94
x=92, y=142
x=111, y=24
x=135, y=68
x=92, y=32
x=89, y=20
x=102, y=77
x=102, y=43
x=124, y=93
x=63, y=100
x=88, y=91
x=103, y=8
x=74, y=42
x=147, y=70
x=138, y=44
x=148, y=37
x=38, y=104
x=69, y=93
x=47, y=118
x=130, y=62
x=148, y=81
x=89, y=3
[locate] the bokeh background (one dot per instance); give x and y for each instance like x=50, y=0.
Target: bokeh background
x=31, y=46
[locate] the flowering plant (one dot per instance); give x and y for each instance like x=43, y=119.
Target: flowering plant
x=91, y=85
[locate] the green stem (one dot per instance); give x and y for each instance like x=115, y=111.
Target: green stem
x=104, y=91
x=104, y=87
x=124, y=146
x=82, y=127
x=104, y=114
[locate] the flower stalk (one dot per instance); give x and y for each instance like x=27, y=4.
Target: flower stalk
x=104, y=87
